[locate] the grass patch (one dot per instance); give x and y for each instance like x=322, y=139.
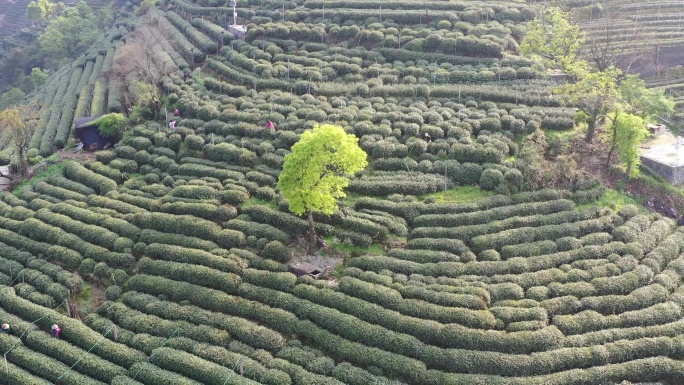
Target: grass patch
x=652, y=178
x=561, y=134
x=614, y=200
x=351, y=198
x=38, y=177
x=253, y=201
x=459, y=195
x=335, y=244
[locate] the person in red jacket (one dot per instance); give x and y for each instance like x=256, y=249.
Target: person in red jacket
x=270, y=126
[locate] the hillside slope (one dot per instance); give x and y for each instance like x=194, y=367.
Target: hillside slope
x=186, y=238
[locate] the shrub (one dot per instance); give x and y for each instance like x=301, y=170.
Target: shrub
x=152, y=236
x=73, y=331
x=192, y=256
x=181, y=224
x=490, y=179
x=277, y=251
x=242, y=329
x=78, y=173
x=259, y=230
x=112, y=293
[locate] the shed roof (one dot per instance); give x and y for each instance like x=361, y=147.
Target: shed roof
x=85, y=122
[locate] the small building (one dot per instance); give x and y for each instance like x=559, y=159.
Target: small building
x=657, y=129
x=89, y=134
x=302, y=268
x=239, y=31
x=559, y=76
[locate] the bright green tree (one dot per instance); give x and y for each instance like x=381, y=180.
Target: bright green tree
x=17, y=126
x=593, y=92
x=626, y=132
x=112, y=125
x=39, y=9
x=317, y=170
x=68, y=35
x=644, y=102
x=38, y=77
x=554, y=38
x=627, y=123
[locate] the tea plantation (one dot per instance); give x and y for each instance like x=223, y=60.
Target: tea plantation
x=187, y=235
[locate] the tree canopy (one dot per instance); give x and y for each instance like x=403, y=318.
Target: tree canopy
x=318, y=169
x=16, y=129
x=112, y=125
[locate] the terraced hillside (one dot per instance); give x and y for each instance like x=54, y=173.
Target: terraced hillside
x=185, y=233
x=13, y=14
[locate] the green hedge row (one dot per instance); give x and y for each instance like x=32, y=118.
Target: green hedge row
x=636, y=371
x=152, y=375
x=181, y=224
x=118, y=226
x=467, y=232
x=114, y=204
x=395, y=224
x=144, y=202
x=392, y=364
x=215, y=300
x=300, y=375
x=60, y=193
x=213, y=30
x=252, y=369
x=140, y=322
x=15, y=375
x=68, y=105
x=396, y=183
x=464, y=300
x=197, y=37
x=453, y=246
x=194, y=256
x=45, y=284
x=192, y=366
x=89, y=364
x=80, y=174
x=192, y=273
x=423, y=256
x=58, y=179
x=540, y=233
x=591, y=321
x=179, y=41
x=73, y=330
x=71, y=281
x=514, y=266
x=241, y=329
x=494, y=214
x=392, y=299
x=90, y=233
x=529, y=249
x=200, y=171
x=201, y=210
x=149, y=236
x=259, y=230
x=107, y=172
x=46, y=109
x=41, y=364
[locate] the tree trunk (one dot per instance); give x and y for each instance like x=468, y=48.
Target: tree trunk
x=312, y=235
x=590, y=131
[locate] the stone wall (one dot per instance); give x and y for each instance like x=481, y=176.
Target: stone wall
x=674, y=174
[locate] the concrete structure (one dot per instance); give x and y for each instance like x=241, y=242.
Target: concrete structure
x=657, y=129
x=238, y=31
x=665, y=156
x=674, y=174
